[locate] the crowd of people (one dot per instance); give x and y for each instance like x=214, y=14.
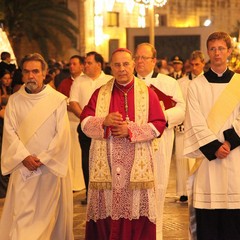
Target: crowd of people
x=113, y=129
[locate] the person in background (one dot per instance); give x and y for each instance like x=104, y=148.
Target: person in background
x=183, y=164
x=35, y=151
x=107, y=69
x=6, y=64
x=81, y=91
x=5, y=92
x=5, y=87
x=187, y=67
x=212, y=136
x=76, y=65
x=123, y=118
x=178, y=68
x=162, y=66
x=49, y=79
x=17, y=80
x=64, y=73
x=173, y=106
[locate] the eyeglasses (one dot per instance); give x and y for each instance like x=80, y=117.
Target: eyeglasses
x=144, y=58
x=219, y=49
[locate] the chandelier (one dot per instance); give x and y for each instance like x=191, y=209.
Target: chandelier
x=157, y=3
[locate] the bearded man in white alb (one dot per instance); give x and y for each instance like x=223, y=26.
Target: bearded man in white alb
x=35, y=152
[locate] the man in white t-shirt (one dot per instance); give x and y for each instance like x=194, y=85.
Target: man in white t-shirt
x=76, y=65
x=81, y=91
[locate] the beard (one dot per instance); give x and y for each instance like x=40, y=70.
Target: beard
x=31, y=86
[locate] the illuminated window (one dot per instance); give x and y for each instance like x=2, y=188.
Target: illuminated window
x=162, y=20
x=113, y=19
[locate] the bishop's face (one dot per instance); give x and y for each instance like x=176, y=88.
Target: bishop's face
x=122, y=66
x=33, y=76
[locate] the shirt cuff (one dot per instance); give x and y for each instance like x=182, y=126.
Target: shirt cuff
x=210, y=149
x=231, y=136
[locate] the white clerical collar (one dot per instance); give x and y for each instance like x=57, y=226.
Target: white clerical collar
x=146, y=77
x=220, y=74
x=124, y=84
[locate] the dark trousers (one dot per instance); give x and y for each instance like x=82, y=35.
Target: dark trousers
x=218, y=224
x=85, y=143
x=3, y=184
x=3, y=179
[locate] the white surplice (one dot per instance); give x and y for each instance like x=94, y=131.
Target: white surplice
x=39, y=208
x=163, y=153
x=216, y=182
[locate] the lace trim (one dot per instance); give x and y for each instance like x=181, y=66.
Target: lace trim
x=141, y=174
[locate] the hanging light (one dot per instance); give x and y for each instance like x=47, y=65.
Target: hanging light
x=129, y=5
x=143, y=1
x=157, y=3
x=207, y=22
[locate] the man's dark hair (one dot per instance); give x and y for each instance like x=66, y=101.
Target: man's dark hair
x=97, y=57
x=5, y=55
x=80, y=58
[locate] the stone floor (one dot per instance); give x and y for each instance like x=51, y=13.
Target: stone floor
x=175, y=215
